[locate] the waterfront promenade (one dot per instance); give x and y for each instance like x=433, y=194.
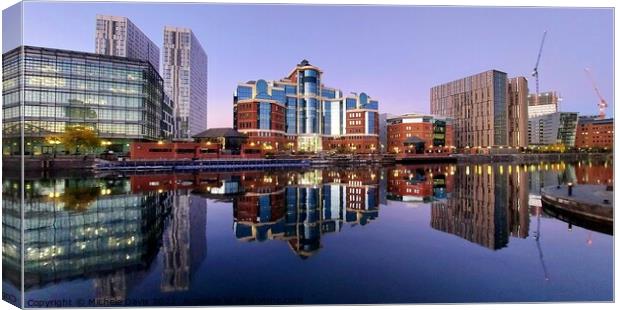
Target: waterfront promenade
x=590, y=205
x=90, y=162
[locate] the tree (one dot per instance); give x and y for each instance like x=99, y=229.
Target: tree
x=79, y=137
x=79, y=199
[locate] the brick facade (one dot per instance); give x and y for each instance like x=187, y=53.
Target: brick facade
x=595, y=133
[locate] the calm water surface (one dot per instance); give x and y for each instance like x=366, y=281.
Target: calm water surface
x=401, y=234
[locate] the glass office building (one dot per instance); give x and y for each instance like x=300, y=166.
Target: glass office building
x=300, y=113
x=554, y=128
x=48, y=90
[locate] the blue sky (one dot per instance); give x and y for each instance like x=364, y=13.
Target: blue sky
x=393, y=53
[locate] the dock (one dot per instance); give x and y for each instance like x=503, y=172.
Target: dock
x=211, y=164
x=426, y=158
x=589, y=206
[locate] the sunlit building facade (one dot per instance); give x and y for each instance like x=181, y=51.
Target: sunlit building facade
x=486, y=114
x=299, y=113
x=517, y=112
x=48, y=90
x=419, y=133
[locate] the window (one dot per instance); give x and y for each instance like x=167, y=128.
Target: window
x=264, y=115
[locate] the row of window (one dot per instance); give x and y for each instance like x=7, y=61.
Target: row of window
x=83, y=85
x=73, y=113
x=88, y=68
x=77, y=99
x=102, y=128
x=245, y=92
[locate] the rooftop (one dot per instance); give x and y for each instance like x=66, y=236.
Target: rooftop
x=226, y=132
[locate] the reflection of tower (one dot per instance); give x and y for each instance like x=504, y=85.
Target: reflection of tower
x=518, y=201
x=176, y=249
x=383, y=186
x=303, y=229
x=477, y=210
x=184, y=242
x=198, y=232
x=111, y=288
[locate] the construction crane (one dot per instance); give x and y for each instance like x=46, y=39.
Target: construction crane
x=535, y=72
x=602, y=104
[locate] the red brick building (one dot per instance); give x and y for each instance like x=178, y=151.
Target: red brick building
x=419, y=134
x=595, y=133
x=209, y=144
x=420, y=183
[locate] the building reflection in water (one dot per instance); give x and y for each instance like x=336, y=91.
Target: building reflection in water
x=111, y=229
x=103, y=230
x=184, y=241
x=87, y=228
x=417, y=183
x=484, y=204
x=587, y=172
x=299, y=208
x=489, y=204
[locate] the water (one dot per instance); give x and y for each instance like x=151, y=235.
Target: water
x=402, y=234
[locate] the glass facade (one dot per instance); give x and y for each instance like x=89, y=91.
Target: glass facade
x=372, y=117
x=327, y=117
x=309, y=109
x=264, y=115
x=351, y=103
x=119, y=98
x=278, y=95
x=439, y=133
x=500, y=134
x=244, y=92
x=311, y=119
x=373, y=105
x=568, y=128
x=291, y=115
x=554, y=128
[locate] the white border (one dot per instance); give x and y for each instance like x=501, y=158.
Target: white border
x=504, y=3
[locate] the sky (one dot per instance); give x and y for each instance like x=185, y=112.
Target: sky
x=393, y=53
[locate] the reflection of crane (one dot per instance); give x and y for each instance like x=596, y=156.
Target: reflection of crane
x=602, y=104
x=537, y=238
x=535, y=72
x=536, y=203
